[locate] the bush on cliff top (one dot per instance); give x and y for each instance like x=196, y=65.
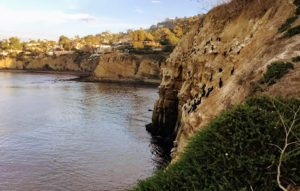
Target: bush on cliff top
x=237, y=152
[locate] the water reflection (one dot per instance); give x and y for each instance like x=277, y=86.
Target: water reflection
x=62, y=135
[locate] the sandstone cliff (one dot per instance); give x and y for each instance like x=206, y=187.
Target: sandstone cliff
x=74, y=62
x=118, y=67
x=217, y=64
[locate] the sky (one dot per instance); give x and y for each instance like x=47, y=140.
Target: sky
x=48, y=19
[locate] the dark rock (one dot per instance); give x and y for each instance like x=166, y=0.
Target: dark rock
x=149, y=128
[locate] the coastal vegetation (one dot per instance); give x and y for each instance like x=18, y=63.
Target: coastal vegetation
x=275, y=71
x=254, y=146
x=287, y=26
x=162, y=37
x=296, y=59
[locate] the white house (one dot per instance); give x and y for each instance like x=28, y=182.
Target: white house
x=3, y=53
x=104, y=48
x=64, y=52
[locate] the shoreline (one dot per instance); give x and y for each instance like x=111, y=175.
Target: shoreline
x=153, y=83
x=72, y=73
x=85, y=77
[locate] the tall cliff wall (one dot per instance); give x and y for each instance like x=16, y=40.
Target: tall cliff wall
x=118, y=67
x=217, y=63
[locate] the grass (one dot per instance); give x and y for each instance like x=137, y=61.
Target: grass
x=235, y=152
x=275, y=71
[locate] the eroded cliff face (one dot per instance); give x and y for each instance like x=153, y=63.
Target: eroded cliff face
x=118, y=67
x=217, y=63
x=59, y=63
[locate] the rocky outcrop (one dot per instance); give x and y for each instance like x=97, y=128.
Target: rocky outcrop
x=123, y=67
x=74, y=62
x=216, y=64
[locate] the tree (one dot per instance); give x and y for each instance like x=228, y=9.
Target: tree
x=288, y=129
x=15, y=43
x=91, y=40
x=178, y=31
x=65, y=42
x=4, y=45
x=166, y=37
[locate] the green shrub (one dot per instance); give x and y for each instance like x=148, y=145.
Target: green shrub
x=297, y=3
x=288, y=23
x=236, y=152
x=275, y=71
x=298, y=10
x=293, y=31
x=296, y=59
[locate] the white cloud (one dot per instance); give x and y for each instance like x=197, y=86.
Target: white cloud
x=71, y=4
x=11, y=17
x=53, y=23
x=139, y=10
x=156, y=1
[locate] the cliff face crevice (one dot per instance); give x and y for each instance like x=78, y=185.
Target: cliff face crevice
x=216, y=64
x=122, y=67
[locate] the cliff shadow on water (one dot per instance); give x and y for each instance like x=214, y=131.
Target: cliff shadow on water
x=161, y=149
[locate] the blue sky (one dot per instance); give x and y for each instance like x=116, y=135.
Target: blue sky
x=51, y=18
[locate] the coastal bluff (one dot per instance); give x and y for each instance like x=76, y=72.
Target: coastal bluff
x=221, y=62
x=63, y=63
x=111, y=67
x=125, y=67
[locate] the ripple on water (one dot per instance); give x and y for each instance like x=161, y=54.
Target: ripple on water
x=60, y=135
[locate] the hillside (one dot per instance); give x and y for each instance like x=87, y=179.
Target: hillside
x=134, y=56
x=218, y=63
x=237, y=50
x=239, y=150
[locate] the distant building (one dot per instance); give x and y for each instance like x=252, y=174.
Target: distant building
x=120, y=45
x=60, y=53
x=78, y=45
x=50, y=53
x=27, y=53
x=158, y=49
x=3, y=53
x=104, y=48
x=15, y=51
x=151, y=43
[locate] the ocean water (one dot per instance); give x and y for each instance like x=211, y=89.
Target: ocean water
x=66, y=135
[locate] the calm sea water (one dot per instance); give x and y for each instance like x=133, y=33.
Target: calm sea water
x=63, y=135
